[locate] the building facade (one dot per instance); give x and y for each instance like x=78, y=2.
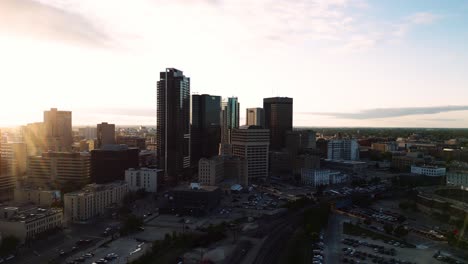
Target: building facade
x=37, y=196
x=131, y=141
x=105, y=134
x=58, y=129
x=343, y=149
x=56, y=169
x=206, y=127
x=253, y=145
x=142, y=179
x=93, y=200
x=211, y=171
x=16, y=157
x=28, y=223
x=255, y=117
x=278, y=119
x=173, y=124
x=109, y=163
x=428, y=170
x=87, y=132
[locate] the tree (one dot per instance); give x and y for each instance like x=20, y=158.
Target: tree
x=401, y=231
x=388, y=228
x=131, y=224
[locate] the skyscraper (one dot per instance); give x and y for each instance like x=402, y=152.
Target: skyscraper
x=230, y=118
x=278, y=118
x=206, y=127
x=58, y=129
x=173, y=124
x=105, y=134
x=255, y=117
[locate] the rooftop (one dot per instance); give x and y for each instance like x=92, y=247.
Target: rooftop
x=93, y=188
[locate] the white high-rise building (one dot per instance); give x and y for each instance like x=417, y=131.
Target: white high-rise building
x=343, y=149
x=253, y=145
x=144, y=178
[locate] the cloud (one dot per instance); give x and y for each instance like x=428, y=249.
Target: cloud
x=32, y=19
x=393, y=112
x=403, y=27
x=442, y=119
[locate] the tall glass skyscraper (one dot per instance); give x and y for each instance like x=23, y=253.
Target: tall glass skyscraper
x=206, y=126
x=230, y=118
x=173, y=124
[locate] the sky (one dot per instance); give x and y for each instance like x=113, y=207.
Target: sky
x=386, y=63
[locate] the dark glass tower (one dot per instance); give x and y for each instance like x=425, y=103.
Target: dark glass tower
x=173, y=124
x=279, y=119
x=206, y=127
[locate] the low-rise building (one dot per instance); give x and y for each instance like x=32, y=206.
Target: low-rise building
x=428, y=170
x=195, y=199
x=385, y=146
x=142, y=179
x=347, y=166
x=37, y=196
x=317, y=178
x=211, y=171
x=27, y=223
x=458, y=178
x=93, y=200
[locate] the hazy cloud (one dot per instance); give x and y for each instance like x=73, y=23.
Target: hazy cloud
x=394, y=112
x=33, y=19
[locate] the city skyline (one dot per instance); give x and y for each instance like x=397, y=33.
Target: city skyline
x=345, y=61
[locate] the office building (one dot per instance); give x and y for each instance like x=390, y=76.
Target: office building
x=15, y=157
x=229, y=118
x=403, y=163
x=206, y=127
x=252, y=144
x=343, y=149
x=428, y=170
x=385, y=146
x=57, y=169
x=87, y=133
x=235, y=170
x=347, y=166
x=58, y=129
x=34, y=135
x=37, y=196
x=458, y=178
x=317, y=178
x=278, y=119
x=255, y=117
x=281, y=164
x=173, y=124
x=211, y=171
x=93, y=200
x=109, y=163
x=7, y=181
x=142, y=179
x=105, y=134
x=306, y=161
x=132, y=141
x=27, y=223
x=195, y=200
